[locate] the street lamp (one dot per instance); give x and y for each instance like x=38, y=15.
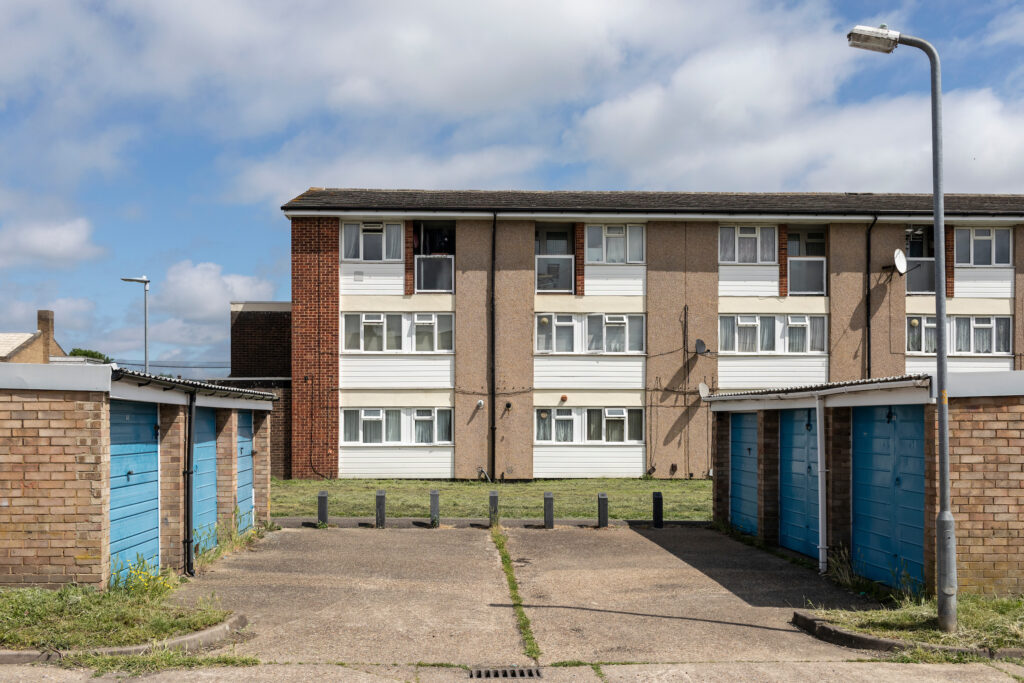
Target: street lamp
x=145, y=315
x=884, y=40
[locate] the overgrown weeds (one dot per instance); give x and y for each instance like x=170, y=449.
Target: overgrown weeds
x=157, y=660
x=525, y=629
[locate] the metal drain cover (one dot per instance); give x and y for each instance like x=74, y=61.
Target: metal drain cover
x=505, y=672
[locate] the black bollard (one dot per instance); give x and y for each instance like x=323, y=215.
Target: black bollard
x=659, y=511
x=321, y=508
x=435, y=508
x=602, y=510
x=492, y=508
x=381, y=520
x=549, y=510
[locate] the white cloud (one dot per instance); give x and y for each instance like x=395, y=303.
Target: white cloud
x=199, y=294
x=55, y=244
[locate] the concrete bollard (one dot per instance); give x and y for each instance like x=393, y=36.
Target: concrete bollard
x=659, y=511
x=549, y=510
x=435, y=508
x=321, y=508
x=602, y=510
x=381, y=502
x=492, y=508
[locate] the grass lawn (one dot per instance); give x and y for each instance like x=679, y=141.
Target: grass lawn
x=574, y=498
x=985, y=622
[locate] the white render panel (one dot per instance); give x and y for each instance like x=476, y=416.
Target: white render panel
x=748, y=280
x=767, y=371
x=414, y=303
x=570, y=303
x=582, y=460
x=614, y=280
x=925, y=305
x=564, y=372
x=396, y=462
x=773, y=305
x=372, y=278
x=983, y=283
x=925, y=365
x=397, y=371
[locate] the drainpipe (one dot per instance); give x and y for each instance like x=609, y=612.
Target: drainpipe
x=867, y=297
x=190, y=436
x=491, y=464
x=819, y=410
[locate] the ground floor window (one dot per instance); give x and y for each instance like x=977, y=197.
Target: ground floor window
x=395, y=426
x=589, y=425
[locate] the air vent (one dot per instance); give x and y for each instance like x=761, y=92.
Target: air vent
x=505, y=672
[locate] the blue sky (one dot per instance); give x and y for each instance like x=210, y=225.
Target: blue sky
x=160, y=138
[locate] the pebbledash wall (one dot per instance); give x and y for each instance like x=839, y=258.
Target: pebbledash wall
x=55, y=460
x=986, y=439
x=685, y=287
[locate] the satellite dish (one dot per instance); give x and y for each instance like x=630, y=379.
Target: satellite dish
x=703, y=389
x=900, y=261
x=700, y=347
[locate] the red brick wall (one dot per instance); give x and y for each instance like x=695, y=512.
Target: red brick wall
x=410, y=260
x=227, y=466
x=261, y=344
x=262, y=425
x=768, y=476
x=315, y=322
x=54, y=488
x=838, y=460
x=172, y=501
x=579, y=246
x=783, y=260
x=720, y=454
x=950, y=259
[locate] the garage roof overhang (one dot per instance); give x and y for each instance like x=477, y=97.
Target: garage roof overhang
x=903, y=390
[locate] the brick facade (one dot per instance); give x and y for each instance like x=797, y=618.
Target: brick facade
x=173, y=437
x=262, y=427
x=950, y=259
x=579, y=251
x=227, y=467
x=261, y=343
x=768, y=476
x=410, y=260
x=838, y=460
x=720, y=504
x=783, y=260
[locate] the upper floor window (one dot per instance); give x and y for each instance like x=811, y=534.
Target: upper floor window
x=371, y=242
x=747, y=244
x=755, y=334
x=589, y=425
x=983, y=247
x=433, y=248
x=398, y=332
x=615, y=244
x=920, y=259
x=589, y=333
x=553, y=248
x=805, y=249
x=392, y=426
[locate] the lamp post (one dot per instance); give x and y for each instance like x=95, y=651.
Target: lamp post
x=884, y=40
x=145, y=316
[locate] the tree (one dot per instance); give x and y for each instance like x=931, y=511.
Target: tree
x=89, y=353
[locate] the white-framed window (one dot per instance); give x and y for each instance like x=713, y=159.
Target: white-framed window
x=920, y=259
x=747, y=244
x=554, y=259
x=605, y=333
x=393, y=426
x=768, y=334
x=981, y=335
x=921, y=334
x=398, y=332
x=615, y=244
x=983, y=247
x=372, y=242
x=613, y=425
x=806, y=261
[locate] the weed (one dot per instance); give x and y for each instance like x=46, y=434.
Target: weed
x=158, y=660
x=523, y=621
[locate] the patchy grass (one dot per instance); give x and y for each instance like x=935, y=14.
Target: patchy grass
x=984, y=622
x=574, y=498
x=525, y=630
x=229, y=540
x=158, y=660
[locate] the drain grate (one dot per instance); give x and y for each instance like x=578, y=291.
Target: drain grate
x=505, y=672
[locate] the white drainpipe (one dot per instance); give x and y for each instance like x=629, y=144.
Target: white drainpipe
x=819, y=410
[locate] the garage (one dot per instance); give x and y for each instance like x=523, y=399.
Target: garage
x=887, y=534
x=743, y=472
x=798, y=481
x=204, y=480
x=134, y=485
x=246, y=499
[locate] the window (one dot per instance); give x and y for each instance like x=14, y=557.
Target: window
x=920, y=259
x=553, y=247
x=983, y=247
x=433, y=246
x=981, y=335
x=589, y=333
x=747, y=244
x=615, y=244
x=372, y=242
x=753, y=334
x=386, y=332
x=806, y=260
x=372, y=425
x=590, y=425
x=920, y=334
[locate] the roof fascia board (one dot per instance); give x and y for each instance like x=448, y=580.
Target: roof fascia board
x=207, y=401
x=376, y=213
x=44, y=377
x=878, y=396
x=129, y=389
x=847, y=389
x=953, y=219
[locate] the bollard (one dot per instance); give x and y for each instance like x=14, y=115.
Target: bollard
x=549, y=510
x=321, y=508
x=381, y=520
x=492, y=508
x=435, y=508
x=602, y=510
x=659, y=511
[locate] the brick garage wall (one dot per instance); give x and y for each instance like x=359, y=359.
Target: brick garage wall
x=227, y=466
x=280, y=420
x=261, y=344
x=263, y=430
x=720, y=455
x=838, y=460
x=172, y=501
x=768, y=476
x=54, y=488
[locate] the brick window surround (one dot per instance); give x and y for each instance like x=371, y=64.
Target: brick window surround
x=579, y=232
x=783, y=233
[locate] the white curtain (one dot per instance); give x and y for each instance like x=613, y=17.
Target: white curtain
x=424, y=336
x=727, y=244
x=768, y=252
x=424, y=430
x=929, y=335
x=394, y=332
x=1002, y=335
x=636, y=243
x=913, y=334
x=963, y=334
x=595, y=333
x=544, y=332
x=594, y=424
x=392, y=425
x=797, y=339
x=444, y=333
x=563, y=338
x=616, y=246
x=595, y=235
x=636, y=424
x=351, y=332
x=373, y=337
x=543, y=424
x=636, y=332
x=351, y=428
x=393, y=237
x=747, y=339
x=563, y=429
x=767, y=333
x=351, y=241
x=444, y=425
x=615, y=338
x=748, y=250
x=372, y=431
x=817, y=333
x=727, y=333
x=615, y=429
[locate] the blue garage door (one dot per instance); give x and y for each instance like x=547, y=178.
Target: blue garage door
x=134, y=485
x=798, y=481
x=204, y=480
x=245, y=475
x=888, y=493
x=743, y=472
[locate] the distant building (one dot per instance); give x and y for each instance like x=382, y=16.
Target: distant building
x=31, y=347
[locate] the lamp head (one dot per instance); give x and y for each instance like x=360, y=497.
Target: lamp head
x=144, y=280
x=879, y=39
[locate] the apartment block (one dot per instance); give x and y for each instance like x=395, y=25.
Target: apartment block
x=521, y=335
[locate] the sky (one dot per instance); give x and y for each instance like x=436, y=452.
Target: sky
x=161, y=138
